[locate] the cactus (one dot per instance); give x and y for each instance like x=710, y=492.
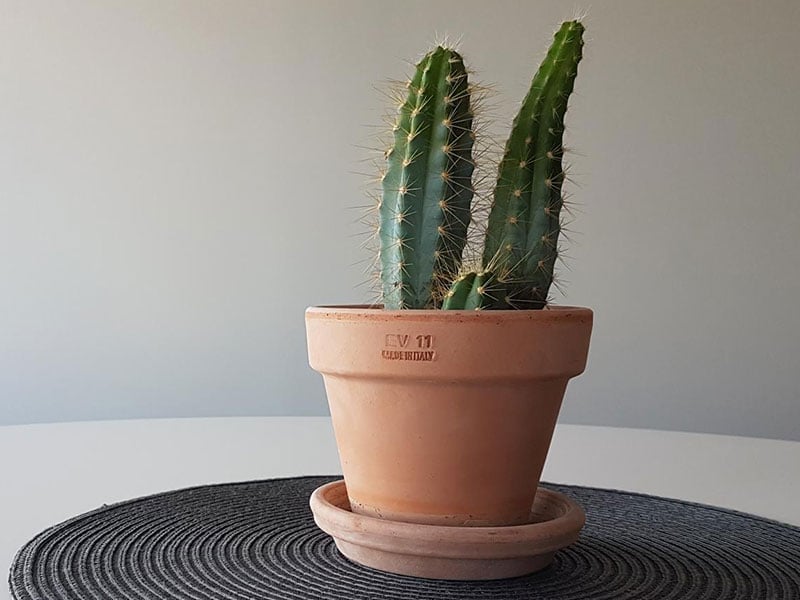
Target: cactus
x=427, y=190
x=524, y=223
x=482, y=290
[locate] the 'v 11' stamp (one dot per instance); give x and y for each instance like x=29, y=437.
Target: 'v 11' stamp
x=402, y=346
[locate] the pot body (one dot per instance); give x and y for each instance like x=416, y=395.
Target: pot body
x=445, y=417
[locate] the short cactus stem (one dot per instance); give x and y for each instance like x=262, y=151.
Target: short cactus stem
x=482, y=290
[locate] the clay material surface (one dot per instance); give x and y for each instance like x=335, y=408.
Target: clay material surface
x=447, y=552
x=425, y=403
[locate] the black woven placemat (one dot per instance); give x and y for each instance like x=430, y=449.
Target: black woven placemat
x=257, y=540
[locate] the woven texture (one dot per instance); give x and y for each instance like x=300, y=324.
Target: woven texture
x=257, y=540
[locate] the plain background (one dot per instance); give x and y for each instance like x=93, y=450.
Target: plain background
x=176, y=181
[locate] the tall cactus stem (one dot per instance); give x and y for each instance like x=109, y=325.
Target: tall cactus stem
x=524, y=222
x=427, y=187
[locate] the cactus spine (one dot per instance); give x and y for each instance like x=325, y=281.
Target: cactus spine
x=524, y=223
x=427, y=191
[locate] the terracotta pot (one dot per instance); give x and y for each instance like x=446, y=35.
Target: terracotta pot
x=445, y=417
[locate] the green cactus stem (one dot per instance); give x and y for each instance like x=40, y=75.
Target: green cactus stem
x=427, y=186
x=482, y=290
x=524, y=222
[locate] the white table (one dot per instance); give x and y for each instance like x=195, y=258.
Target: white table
x=52, y=472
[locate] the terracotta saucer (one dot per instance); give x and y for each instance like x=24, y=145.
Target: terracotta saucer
x=442, y=552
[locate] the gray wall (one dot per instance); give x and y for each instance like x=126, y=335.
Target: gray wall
x=175, y=177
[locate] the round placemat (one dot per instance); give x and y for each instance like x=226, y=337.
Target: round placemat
x=257, y=540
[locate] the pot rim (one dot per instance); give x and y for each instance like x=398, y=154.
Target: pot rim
x=378, y=313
